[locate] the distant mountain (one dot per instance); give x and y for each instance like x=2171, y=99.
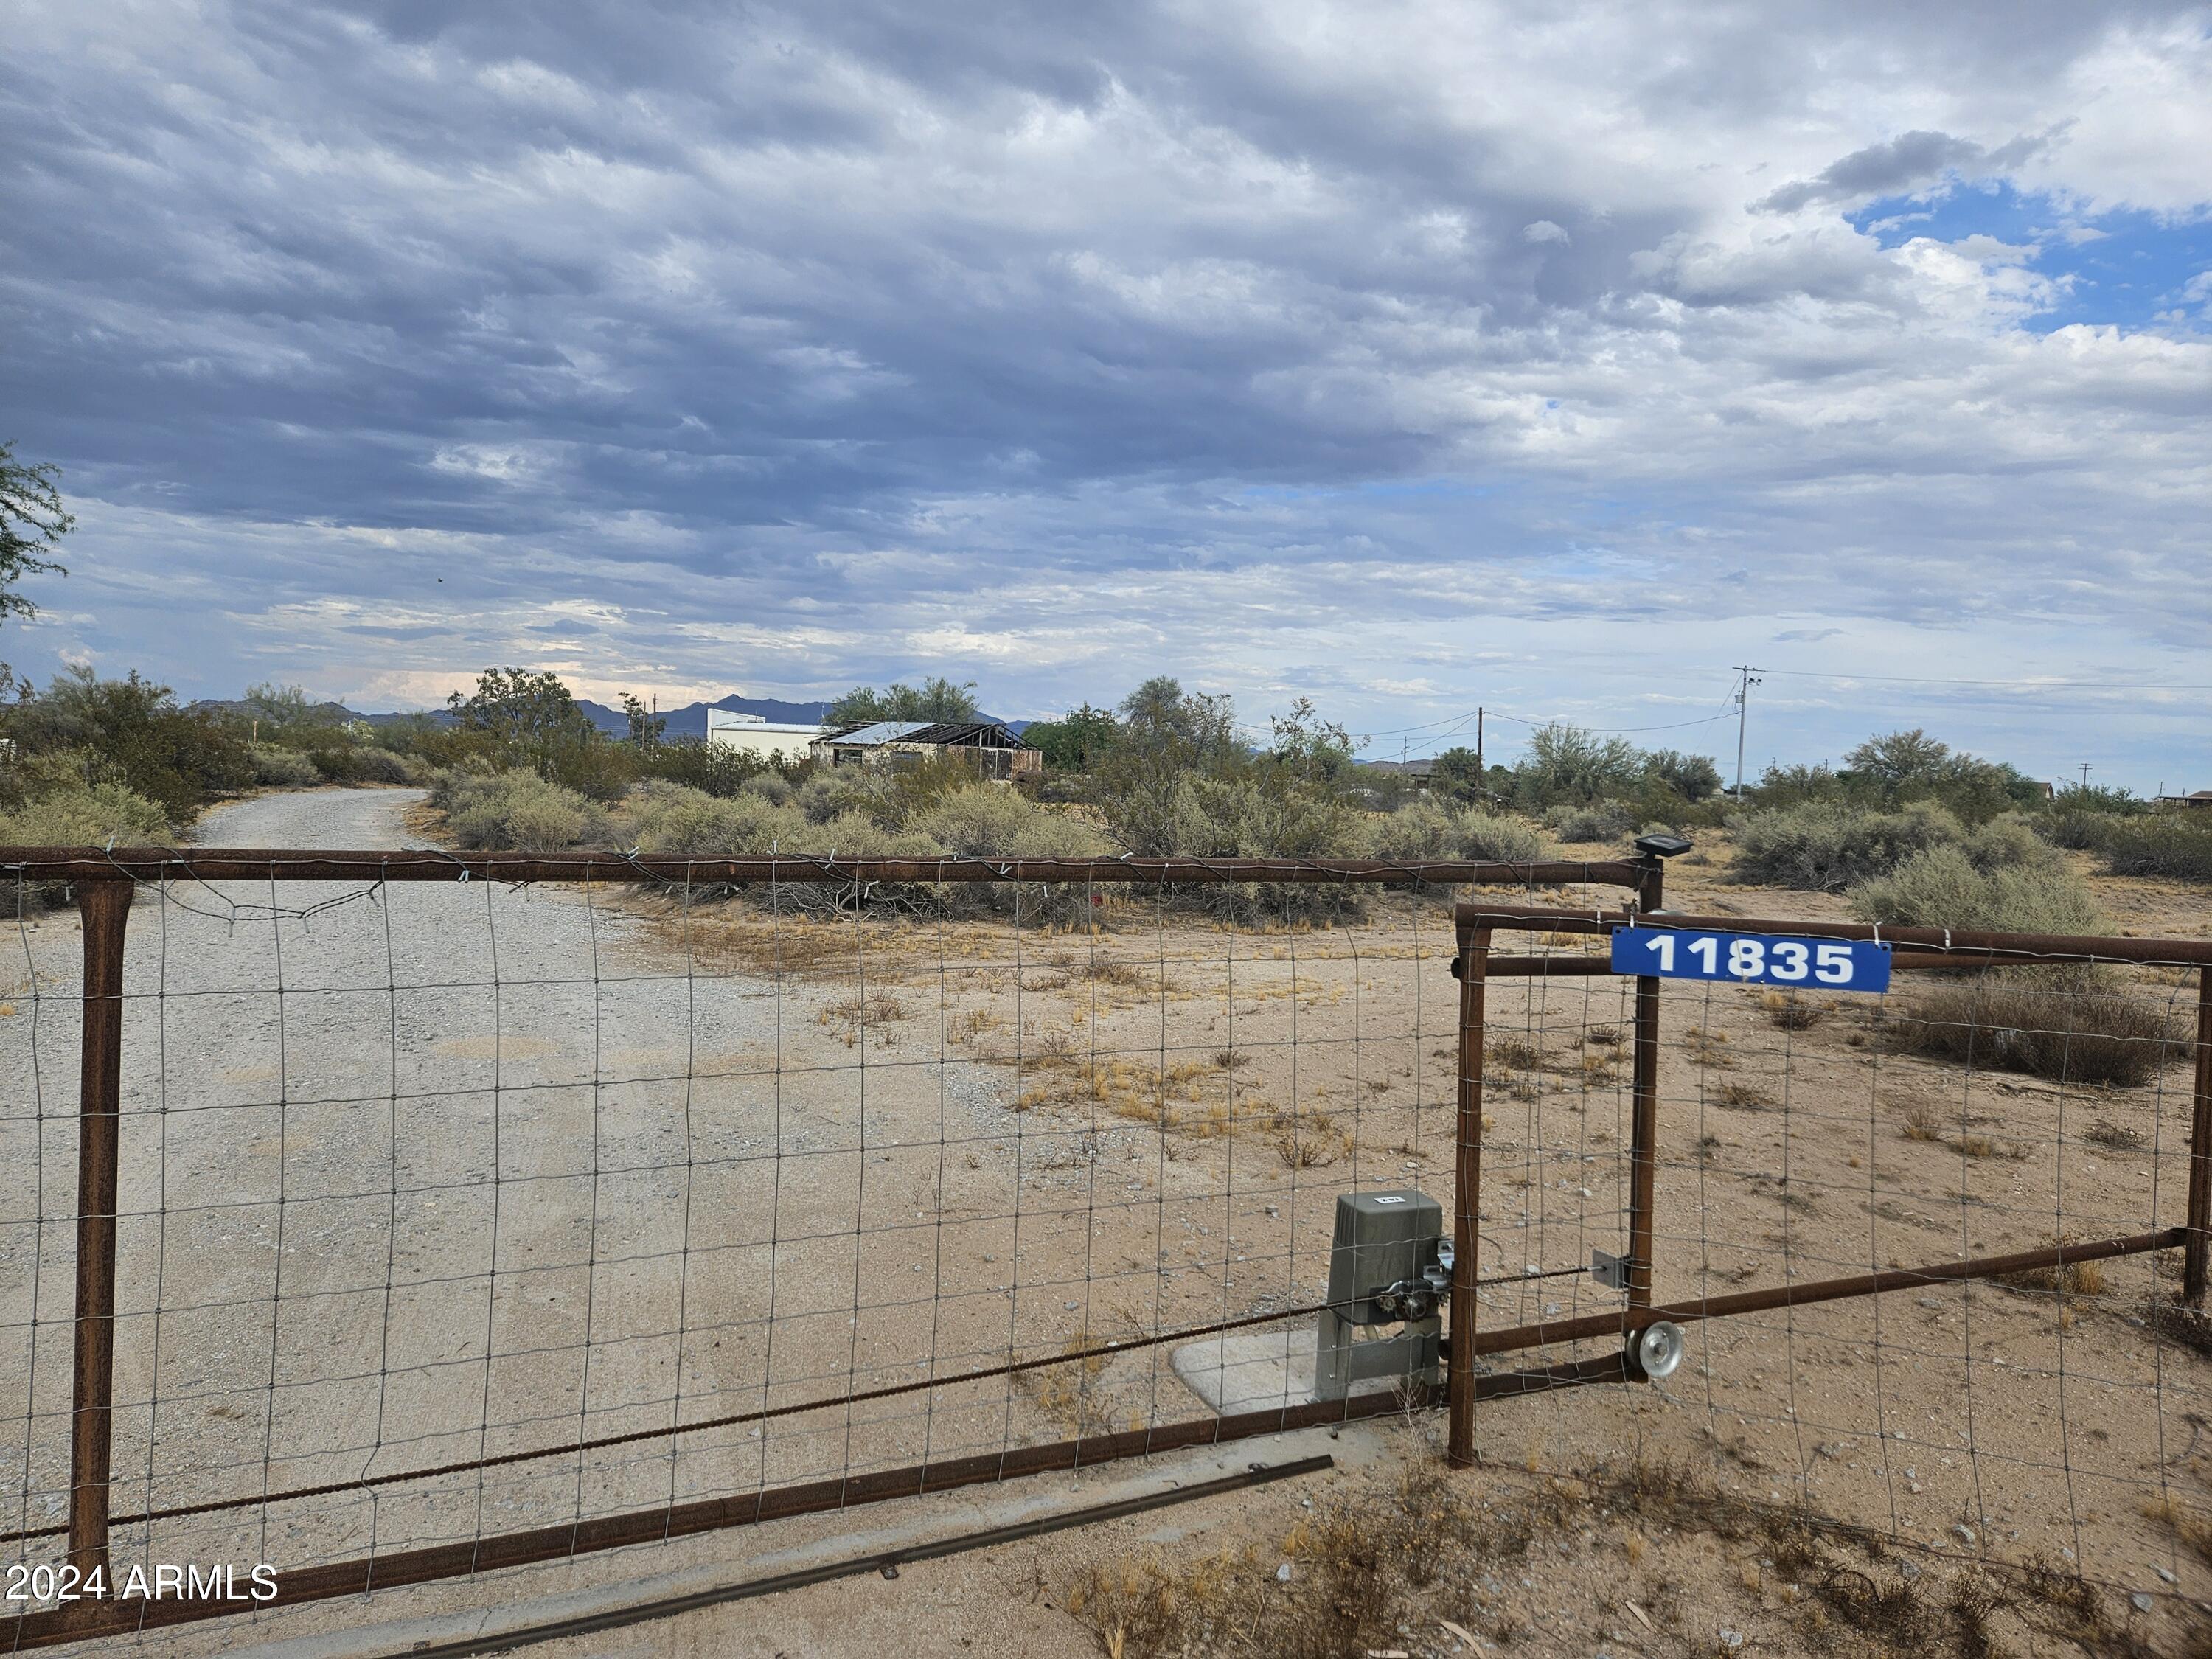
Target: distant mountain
x=333, y=713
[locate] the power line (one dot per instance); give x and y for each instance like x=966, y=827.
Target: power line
x=1614, y=731
x=2040, y=685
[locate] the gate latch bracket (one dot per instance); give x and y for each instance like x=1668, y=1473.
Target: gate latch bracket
x=1610, y=1271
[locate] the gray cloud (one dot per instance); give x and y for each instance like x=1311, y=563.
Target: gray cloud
x=790, y=347
x=1911, y=159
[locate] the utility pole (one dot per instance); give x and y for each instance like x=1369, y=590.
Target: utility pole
x=2085, y=777
x=1478, y=773
x=1745, y=681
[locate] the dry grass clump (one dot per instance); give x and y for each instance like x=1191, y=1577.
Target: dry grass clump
x=1070, y=1394
x=1517, y=1054
x=1707, y=1049
x=2193, y=1528
x=850, y=1018
x=1602, y=1036
x=2073, y=1025
x=972, y=1024
x=1921, y=1120
x=1742, y=1097
x=2114, y=1137
x=2068, y=1278
x=1601, y=1068
x=1313, y=1145
x=1357, y=1566
x=1788, y=1012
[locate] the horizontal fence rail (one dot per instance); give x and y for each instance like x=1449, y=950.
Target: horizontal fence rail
x=436, y=1213
x=155, y=864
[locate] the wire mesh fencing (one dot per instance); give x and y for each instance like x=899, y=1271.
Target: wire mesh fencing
x=1937, y=1252
x=381, y=1218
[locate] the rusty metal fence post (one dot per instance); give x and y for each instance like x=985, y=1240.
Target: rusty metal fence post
x=104, y=907
x=2196, y=1255
x=1643, y=1126
x=1467, y=1199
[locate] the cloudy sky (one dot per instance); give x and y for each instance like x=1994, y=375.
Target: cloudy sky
x=1411, y=356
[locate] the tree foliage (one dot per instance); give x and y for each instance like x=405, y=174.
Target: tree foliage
x=529, y=719
x=1315, y=749
x=131, y=731
x=1894, y=768
x=936, y=698
x=32, y=525
x=1076, y=742
x=1566, y=766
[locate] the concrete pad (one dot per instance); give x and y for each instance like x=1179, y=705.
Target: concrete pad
x=1252, y=1373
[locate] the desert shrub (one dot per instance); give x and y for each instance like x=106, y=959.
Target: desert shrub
x=976, y=821
x=1501, y=836
x=1426, y=830
x=283, y=768
x=1059, y=836
x=80, y=814
x=178, y=758
x=360, y=763
x=1941, y=887
x=713, y=769
x=680, y=822
x=1604, y=820
x=857, y=836
x=2072, y=1022
x=2173, y=844
x=2005, y=841
x=1267, y=812
x=2081, y=1026
x=431, y=745
x=515, y=809
x=822, y=796
x=2083, y=831
x=1420, y=830
x=1824, y=846
x=774, y=786
x=997, y=823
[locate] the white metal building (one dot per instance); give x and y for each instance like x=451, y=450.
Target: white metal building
x=769, y=740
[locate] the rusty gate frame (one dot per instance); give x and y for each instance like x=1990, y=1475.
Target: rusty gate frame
x=104, y=882
x=1920, y=949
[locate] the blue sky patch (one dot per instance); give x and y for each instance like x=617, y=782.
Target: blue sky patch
x=2126, y=267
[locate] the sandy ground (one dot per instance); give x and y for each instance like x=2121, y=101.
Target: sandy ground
x=497, y=1170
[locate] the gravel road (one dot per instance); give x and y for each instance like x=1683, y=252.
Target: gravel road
x=372, y=1137
x=315, y=818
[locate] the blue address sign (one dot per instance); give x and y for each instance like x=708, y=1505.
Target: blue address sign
x=1834, y=964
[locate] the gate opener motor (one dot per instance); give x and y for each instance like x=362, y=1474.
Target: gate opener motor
x=1391, y=1264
